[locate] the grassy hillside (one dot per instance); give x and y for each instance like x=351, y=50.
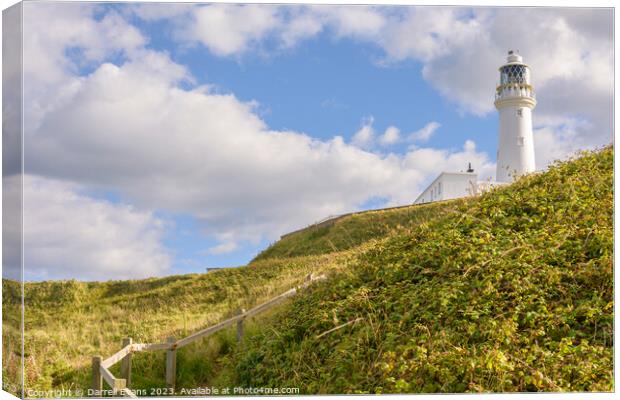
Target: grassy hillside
x=514, y=292
x=510, y=291
x=68, y=322
x=353, y=230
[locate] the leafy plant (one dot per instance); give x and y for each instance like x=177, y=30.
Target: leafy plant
x=512, y=292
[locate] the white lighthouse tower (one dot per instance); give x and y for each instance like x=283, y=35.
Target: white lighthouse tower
x=515, y=100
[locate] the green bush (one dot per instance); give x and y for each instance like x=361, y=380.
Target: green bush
x=513, y=292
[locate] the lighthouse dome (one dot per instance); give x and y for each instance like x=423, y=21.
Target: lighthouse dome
x=514, y=57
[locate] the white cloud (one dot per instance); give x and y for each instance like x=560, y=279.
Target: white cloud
x=132, y=129
x=425, y=133
x=436, y=31
x=63, y=37
x=228, y=29
x=73, y=28
x=390, y=136
x=68, y=235
x=362, y=22
x=430, y=162
x=365, y=136
x=561, y=139
x=301, y=25
x=223, y=248
x=570, y=51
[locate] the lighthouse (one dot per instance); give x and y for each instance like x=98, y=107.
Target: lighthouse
x=515, y=100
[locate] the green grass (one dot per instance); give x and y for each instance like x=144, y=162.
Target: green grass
x=69, y=322
x=353, y=230
x=513, y=292
x=509, y=291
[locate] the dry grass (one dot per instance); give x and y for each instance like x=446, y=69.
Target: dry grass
x=68, y=322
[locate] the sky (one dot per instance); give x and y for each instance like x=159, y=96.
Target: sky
x=167, y=138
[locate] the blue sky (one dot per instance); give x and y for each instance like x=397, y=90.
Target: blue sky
x=166, y=139
x=327, y=87
x=324, y=88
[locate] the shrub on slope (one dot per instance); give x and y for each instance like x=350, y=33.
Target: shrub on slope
x=513, y=292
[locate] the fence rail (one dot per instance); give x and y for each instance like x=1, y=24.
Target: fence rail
x=101, y=371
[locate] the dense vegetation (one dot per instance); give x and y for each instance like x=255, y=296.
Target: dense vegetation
x=512, y=292
x=509, y=291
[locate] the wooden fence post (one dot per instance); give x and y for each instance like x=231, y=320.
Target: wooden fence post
x=97, y=379
x=126, y=363
x=240, y=326
x=171, y=364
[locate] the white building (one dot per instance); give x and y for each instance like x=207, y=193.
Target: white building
x=514, y=100
x=449, y=185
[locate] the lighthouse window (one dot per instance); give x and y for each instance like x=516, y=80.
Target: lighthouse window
x=520, y=141
x=520, y=112
x=504, y=77
x=515, y=73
